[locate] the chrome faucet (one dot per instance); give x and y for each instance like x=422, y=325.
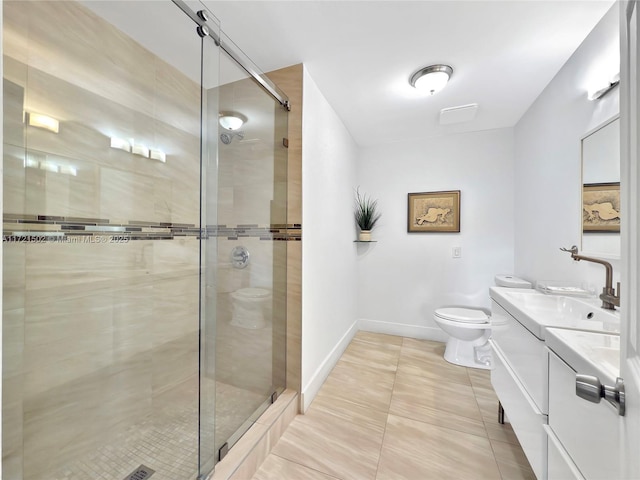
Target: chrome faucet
x=610, y=299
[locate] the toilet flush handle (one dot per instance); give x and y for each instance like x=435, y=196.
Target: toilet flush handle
x=239, y=257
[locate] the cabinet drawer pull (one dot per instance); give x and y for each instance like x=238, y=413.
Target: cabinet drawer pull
x=590, y=388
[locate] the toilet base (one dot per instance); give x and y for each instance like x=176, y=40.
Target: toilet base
x=474, y=354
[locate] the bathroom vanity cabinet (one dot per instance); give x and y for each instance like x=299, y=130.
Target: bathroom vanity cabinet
x=535, y=339
x=583, y=437
x=520, y=381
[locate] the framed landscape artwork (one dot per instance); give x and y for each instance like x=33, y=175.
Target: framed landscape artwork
x=434, y=212
x=601, y=207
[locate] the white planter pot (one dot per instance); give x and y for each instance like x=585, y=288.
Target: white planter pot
x=364, y=236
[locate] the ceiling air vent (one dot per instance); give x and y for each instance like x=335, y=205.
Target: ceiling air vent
x=460, y=114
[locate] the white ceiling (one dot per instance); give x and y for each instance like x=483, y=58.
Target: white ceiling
x=361, y=54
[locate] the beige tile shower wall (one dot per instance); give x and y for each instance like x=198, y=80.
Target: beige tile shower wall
x=13, y=149
x=13, y=297
x=107, y=330
x=80, y=50
x=91, y=345
x=289, y=80
x=97, y=336
x=110, y=184
x=246, y=165
x=72, y=79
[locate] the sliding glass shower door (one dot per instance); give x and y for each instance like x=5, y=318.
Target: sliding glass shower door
x=144, y=247
x=102, y=155
x=249, y=301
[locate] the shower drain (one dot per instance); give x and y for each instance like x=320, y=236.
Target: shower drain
x=141, y=473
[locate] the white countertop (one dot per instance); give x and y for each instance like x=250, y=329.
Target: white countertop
x=588, y=353
x=538, y=312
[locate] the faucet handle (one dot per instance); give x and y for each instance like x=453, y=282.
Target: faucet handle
x=573, y=250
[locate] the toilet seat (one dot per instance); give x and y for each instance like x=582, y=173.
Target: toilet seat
x=462, y=315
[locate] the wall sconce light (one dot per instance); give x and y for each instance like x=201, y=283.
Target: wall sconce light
x=604, y=89
x=158, y=155
x=431, y=79
x=42, y=121
x=138, y=149
x=49, y=167
x=141, y=150
x=43, y=162
x=31, y=163
x=120, y=144
x=68, y=170
x=230, y=122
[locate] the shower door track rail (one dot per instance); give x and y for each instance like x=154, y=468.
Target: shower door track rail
x=240, y=59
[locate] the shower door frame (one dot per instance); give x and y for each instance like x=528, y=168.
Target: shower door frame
x=201, y=18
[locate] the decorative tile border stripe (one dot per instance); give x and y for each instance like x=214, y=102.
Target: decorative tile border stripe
x=48, y=228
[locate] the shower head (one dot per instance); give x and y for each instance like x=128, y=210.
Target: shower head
x=227, y=137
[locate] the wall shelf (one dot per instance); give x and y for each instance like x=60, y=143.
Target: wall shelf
x=364, y=241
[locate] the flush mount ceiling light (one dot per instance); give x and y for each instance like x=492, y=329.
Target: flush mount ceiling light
x=231, y=122
x=431, y=79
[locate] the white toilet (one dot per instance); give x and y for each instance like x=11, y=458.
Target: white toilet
x=250, y=307
x=469, y=329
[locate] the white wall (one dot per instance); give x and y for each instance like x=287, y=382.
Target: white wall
x=329, y=280
x=405, y=276
x=547, y=160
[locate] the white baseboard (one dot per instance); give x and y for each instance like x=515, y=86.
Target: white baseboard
x=310, y=390
x=403, y=330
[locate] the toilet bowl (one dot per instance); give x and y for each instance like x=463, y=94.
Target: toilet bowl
x=250, y=307
x=469, y=330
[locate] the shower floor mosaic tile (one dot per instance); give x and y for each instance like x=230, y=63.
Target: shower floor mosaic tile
x=167, y=442
x=392, y=409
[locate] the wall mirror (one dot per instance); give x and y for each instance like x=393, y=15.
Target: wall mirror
x=601, y=190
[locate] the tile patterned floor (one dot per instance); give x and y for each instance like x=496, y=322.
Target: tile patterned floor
x=393, y=409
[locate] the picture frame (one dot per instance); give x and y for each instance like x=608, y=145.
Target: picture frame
x=434, y=212
x=601, y=207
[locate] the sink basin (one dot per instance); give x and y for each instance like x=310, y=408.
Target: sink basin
x=610, y=356
x=587, y=352
x=538, y=311
x=566, y=307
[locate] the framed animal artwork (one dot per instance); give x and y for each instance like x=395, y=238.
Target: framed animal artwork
x=601, y=207
x=434, y=212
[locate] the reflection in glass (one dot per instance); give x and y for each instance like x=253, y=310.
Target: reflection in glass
x=128, y=337
x=251, y=295
x=100, y=347
x=601, y=190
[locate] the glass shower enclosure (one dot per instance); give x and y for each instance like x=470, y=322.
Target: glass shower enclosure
x=144, y=261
